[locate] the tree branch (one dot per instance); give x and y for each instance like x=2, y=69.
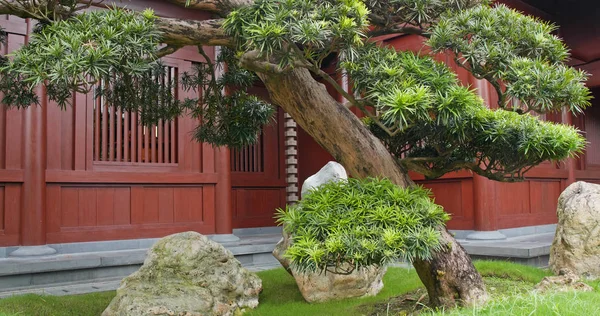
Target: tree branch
x=398, y=30
x=40, y=10
x=177, y=32
x=220, y=7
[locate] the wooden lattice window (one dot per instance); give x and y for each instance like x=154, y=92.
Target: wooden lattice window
x=119, y=136
x=249, y=158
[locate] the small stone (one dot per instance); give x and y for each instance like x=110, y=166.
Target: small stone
x=187, y=274
x=576, y=245
x=565, y=281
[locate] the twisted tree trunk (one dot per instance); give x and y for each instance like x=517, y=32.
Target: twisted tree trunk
x=450, y=277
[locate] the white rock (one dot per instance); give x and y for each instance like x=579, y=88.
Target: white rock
x=332, y=171
x=576, y=245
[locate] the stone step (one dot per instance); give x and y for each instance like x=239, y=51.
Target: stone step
x=18, y=273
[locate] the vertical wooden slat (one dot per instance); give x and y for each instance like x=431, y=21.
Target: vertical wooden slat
x=97, y=131
x=67, y=138
x=152, y=135
x=255, y=155
x=119, y=123
x=111, y=133
x=248, y=159
x=167, y=141
x=139, y=134
x=232, y=159
x=2, y=208
x=173, y=141
x=80, y=149
x=147, y=130
x=160, y=141
x=3, y=49
x=53, y=123
x=259, y=152
x=104, y=154
x=3, y=136
x=126, y=137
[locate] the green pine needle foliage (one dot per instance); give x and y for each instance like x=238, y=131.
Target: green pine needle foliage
x=345, y=225
x=518, y=51
x=67, y=55
x=318, y=27
x=438, y=119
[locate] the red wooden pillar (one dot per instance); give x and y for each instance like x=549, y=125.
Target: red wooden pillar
x=484, y=195
x=485, y=211
x=223, y=215
x=33, y=214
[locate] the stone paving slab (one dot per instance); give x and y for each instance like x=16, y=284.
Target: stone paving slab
x=516, y=247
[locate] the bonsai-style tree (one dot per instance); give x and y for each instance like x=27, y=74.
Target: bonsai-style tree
x=418, y=115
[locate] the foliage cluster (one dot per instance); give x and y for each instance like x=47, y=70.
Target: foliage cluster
x=438, y=125
x=350, y=224
x=518, y=54
x=235, y=118
x=299, y=32
x=417, y=13
x=114, y=45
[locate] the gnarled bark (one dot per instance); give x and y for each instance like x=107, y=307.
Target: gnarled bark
x=178, y=33
x=450, y=276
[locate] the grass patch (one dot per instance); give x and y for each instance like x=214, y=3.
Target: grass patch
x=509, y=284
x=282, y=297
x=45, y=305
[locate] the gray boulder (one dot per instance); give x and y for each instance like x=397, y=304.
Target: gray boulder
x=187, y=274
x=576, y=245
x=327, y=286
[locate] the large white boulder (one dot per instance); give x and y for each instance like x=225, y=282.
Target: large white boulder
x=187, y=274
x=576, y=245
x=332, y=171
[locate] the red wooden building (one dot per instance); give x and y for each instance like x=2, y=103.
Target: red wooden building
x=91, y=173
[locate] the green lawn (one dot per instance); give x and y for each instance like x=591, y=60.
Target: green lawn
x=509, y=284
